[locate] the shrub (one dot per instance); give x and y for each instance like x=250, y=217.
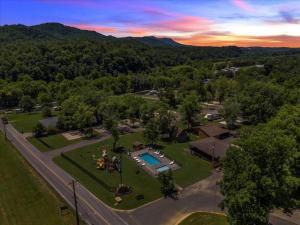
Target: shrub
x=46, y=112
x=52, y=130
x=39, y=130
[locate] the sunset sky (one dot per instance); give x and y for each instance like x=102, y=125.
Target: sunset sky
x=195, y=22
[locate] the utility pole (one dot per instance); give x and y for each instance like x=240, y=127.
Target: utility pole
x=213, y=153
x=75, y=201
x=4, y=122
x=120, y=169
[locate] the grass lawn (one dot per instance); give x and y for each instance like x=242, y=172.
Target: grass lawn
x=202, y=218
x=24, y=122
x=100, y=182
x=51, y=142
x=25, y=198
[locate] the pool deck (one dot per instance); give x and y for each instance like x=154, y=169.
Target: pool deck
x=152, y=169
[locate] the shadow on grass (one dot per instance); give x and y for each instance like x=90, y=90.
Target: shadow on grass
x=92, y=176
x=157, y=146
x=44, y=143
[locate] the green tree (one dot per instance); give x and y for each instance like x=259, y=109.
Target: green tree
x=166, y=180
x=167, y=120
x=112, y=126
x=27, y=103
x=44, y=99
x=189, y=108
x=147, y=111
x=46, y=111
x=230, y=112
x=169, y=97
x=84, y=116
x=151, y=132
x=39, y=130
x=260, y=101
x=258, y=177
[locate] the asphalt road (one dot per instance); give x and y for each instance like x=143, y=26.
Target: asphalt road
x=91, y=210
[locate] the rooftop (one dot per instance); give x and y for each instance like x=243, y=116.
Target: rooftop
x=211, y=146
x=212, y=130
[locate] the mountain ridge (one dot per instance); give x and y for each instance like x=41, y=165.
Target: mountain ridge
x=59, y=31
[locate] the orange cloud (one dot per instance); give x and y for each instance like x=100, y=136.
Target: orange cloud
x=243, y=5
x=183, y=24
x=137, y=31
x=242, y=41
x=97, y=28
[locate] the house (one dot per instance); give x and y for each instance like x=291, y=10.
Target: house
x=212, y=130
x=210, y=148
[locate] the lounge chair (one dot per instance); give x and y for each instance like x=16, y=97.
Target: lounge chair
x=171, y=163
x=161, y=156
x=143, y=164
x=135, y=157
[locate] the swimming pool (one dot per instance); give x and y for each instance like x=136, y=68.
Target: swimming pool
x=149, y=159
x=162, y=169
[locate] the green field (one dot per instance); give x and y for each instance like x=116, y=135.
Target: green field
x=193, y=169
x=24, y=197
x=202, y=218
x=50, y=142
x=104, y=182
x=24, y=122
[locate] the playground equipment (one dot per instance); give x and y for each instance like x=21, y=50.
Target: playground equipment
x=106, y=163
x=101, y=164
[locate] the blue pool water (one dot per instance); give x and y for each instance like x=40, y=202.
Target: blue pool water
x=162, y=169
x=149, y=159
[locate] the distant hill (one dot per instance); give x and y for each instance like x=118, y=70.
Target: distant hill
x=58, y=31
x=61, y=31
x=49, y=31
x=21, y=32
x=155, y=41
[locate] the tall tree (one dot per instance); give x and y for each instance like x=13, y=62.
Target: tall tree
x=112, y=126
x=168, y=188
x=152, y=131
x=189, y=108
x=259, y=101
x=258, y=177
x=27, y=103
x=230, y=112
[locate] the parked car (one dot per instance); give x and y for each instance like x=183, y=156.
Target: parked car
x=211, y=117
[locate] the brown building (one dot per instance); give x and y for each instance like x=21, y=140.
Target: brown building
x=211, y=148
x=212, y=130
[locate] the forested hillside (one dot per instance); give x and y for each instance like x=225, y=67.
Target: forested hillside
x=69, y=58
